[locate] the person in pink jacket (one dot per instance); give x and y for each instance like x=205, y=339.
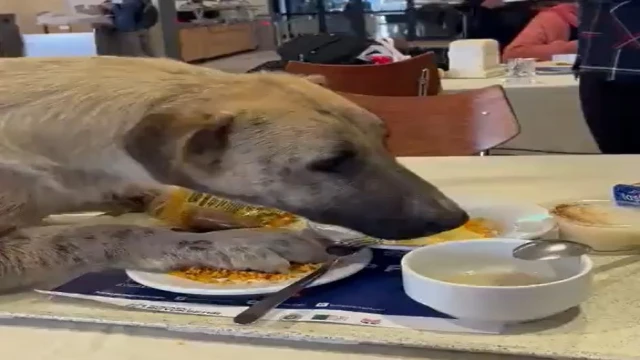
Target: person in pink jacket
x=553, y=31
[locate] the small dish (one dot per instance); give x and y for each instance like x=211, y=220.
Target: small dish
x=600, y=224
x=462, y=279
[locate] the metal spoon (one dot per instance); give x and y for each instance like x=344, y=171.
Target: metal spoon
x=557, y=249
x=262, y=307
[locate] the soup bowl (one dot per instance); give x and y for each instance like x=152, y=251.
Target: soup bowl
x=480, y=280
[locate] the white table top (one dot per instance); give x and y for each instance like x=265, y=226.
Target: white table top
x=542, y=81
x=607, y=327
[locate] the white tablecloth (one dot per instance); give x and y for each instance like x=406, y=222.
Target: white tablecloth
x=548, y=111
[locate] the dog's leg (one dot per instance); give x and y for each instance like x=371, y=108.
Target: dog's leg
x=31, y=254
x=36, y=255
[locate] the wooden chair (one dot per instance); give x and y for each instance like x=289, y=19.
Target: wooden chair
x=411, y=77
x=464, y=123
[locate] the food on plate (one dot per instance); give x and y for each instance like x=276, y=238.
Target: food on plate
x=235, y=277
x=475, y=228
x=492, y=278
x=600, y=224
x=191, y=210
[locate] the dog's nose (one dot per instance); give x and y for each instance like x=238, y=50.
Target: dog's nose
x=455, y=220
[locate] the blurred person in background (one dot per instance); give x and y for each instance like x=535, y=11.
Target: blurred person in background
x=498, y=20
x=11, y=42
x=132, y=21
x=354, y=11
x=608, y=67
x=553, y=31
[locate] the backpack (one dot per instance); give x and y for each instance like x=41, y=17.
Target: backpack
x=324, y=49
x=149, y=16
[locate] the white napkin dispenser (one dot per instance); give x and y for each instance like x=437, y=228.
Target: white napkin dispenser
x=474, y=58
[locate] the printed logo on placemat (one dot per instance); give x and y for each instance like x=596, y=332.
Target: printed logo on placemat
x=291, y=317
x=325, y=317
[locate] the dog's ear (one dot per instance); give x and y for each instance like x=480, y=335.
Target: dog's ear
x=206, y=143
x=164, y=142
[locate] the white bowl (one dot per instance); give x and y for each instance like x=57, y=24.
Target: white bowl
x=600, y=224
x=566, y=282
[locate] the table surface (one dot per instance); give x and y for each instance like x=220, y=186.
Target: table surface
x=542, y=81
x=607, y=326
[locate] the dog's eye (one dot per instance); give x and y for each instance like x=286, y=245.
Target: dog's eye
x=335, y=163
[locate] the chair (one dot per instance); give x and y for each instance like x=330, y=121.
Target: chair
x=415, y=76
x=464, y=123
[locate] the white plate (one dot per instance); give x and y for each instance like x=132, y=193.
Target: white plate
x=516, y=220
x=348, y=266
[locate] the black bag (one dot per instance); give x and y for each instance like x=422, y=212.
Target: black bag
x=324, y=49
x=149, y=16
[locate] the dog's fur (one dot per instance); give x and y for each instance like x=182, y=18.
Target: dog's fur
x=80, y=133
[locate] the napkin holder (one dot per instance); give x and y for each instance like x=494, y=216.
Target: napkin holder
x=475, y=58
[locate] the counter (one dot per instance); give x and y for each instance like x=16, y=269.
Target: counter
x=606, y=327
x=207, y=41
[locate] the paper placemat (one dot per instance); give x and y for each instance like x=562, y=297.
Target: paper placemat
x=372, y=297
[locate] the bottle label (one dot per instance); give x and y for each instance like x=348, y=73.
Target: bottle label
x=175, y=209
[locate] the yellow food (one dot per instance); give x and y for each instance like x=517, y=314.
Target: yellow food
x=476, y=228
x=234, y=277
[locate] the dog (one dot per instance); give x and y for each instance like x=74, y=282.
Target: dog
x=89, y=133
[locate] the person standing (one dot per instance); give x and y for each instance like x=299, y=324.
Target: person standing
x=608, y=68
x=132, y=21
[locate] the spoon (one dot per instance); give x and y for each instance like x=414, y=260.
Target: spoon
x=262, y=307
x=557, y=249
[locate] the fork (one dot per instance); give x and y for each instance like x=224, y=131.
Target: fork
x=337, y=251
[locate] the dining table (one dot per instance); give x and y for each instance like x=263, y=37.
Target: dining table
x=605, y=327
x=548, y=110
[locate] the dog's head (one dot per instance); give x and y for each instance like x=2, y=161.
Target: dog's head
x=283, y=141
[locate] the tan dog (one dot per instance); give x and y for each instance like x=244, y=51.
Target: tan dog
x=79, y=133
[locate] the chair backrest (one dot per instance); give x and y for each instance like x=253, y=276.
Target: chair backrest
x=400, y=78
x=464, y=123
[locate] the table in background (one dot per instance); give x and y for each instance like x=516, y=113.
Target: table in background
x=607, y=328
x=549, y=113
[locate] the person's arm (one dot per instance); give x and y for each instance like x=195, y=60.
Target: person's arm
x=542, y=38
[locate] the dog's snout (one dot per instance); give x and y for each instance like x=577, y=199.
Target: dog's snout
x=453, y=220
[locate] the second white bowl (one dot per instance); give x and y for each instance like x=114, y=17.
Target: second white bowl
x=564, y=283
